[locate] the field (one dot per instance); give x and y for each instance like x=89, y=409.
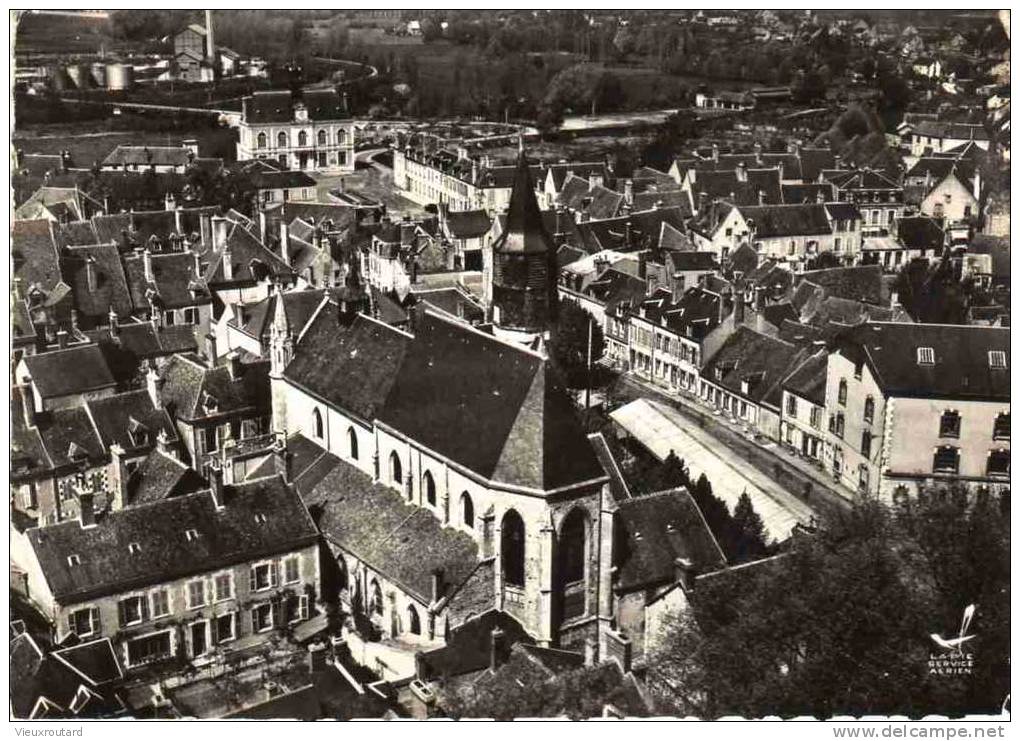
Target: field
x=53, y=32
x=89, y=144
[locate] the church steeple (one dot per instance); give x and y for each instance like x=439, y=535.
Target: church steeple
x=281, y=338
x=522, y=275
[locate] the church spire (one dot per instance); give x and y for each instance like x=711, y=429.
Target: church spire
x=281, y=338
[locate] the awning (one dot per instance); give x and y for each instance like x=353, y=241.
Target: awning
x=310, y=628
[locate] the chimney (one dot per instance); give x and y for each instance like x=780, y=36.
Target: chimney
x=761, y=197
x=216, y=482
x=715, y=152
x=179, y=220
x=114, y=323
x=738, y=307
x=281, y=458
x=119, y=474
x=234, y=365
x=65, y=159
x=757, y=153
x=220, y=227
x=154, y=385
x=210, y=44
x=150, y=276
x=684, y=570
x=87, y=508
x=198, y=265
x=90, y=273
x=742, y=173
x=628, y=191
x=16, y=289
x=169, y=203
x=210, y=349
x=205, y=229
x=74, y=320
x=759, y=298
x=61, y=338
x=28, y=402
x=820, y=196
x=284, y=242
x=497, y=649
x=702, y=200
x=263, y=227
x=977, y=186
x=163, y=444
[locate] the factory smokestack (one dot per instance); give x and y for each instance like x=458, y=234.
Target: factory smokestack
x=210, y=44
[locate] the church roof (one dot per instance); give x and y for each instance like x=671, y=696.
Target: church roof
x=525, y=230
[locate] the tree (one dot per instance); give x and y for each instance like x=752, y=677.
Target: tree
x=569, y=344
x=749, y=530
x=670, y=137
x=841, y=625
x=822, y=261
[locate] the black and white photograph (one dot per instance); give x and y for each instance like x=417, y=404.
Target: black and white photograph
x=528, y=364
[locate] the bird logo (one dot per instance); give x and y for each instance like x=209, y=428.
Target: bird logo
x=955, y=645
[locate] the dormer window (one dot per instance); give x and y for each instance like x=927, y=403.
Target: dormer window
x=191, y=534
x=926, y=356
x=74, y=560
x=949, y=424
x=209, y=403
x=997, y=359
x=260, y=518
x=134, y=548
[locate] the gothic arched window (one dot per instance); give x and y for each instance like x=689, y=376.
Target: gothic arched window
x=281, y=139
x=467, y=508
x=430, y=488
x=352, y=442
x=317, y=424
x=512, y=549
x=396, y=470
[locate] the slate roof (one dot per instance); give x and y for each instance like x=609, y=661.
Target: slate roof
x=671, y=238
x=525, y=231
x=468, y=224
x=144, y=156
x=468, y=649
x=278, y=106
x=685, y=261
x=28, y=451
x=454, y=302
x=404, y=542
x=961, y=369
x=299, y=306
x=666, y=198
x=787, y=220
x=228, y=536
x=750, y=356
x=521, y=429
x=939, y=168
x=34, y=254
x=646, y=229
x=653, y=530
x=33, y=674
x=75, y=233
x=561, y=171
x=94, y=659
x=188, y=383
x=807, y=192
x=865, y=179
x=950, y=130
x=807, y=380
x=69, y=371
x=282, y=180
x=69, y=437
x=353, y=367
x=250, y=259
x=617, y=483
x=743, y=259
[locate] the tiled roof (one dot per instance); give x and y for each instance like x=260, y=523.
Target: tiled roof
x=667, y=198
x=130, y=420
x=33, y=674
x=860, y=283
x=807, y=192
x=283, y=180
x=69, y=371
x=468, y=224
x=950, y=130
x=750, y=356
x=160, y=476
x=76, y=232
x=468, y=649
x=807, y=380
x=68, y=436
x=683, y=261
x=138, y=341
x=34, y=254
x=454, y=302
x=249, y=258
x=175, y=282
x=617, y=484
x=400, y=540
x=193, y=390
x=110, y=288
x=228, y=536
x=299, y=306
x=961, y=370
x=657, y=529
x=96, y=660
x=278, y=106
x=525, y=230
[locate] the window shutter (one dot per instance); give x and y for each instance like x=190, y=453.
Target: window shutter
x=274, y=577
x=303, y=606
x=120, y=613
x=70, y=623
x=251, y=579
x=214, y=630
x=145, y=607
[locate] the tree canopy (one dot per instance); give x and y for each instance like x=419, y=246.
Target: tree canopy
x=569, y=344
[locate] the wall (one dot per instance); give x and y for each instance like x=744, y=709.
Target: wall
x=956, y=201
x=848, y=449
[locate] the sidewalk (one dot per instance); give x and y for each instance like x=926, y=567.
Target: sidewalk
x=800, y=478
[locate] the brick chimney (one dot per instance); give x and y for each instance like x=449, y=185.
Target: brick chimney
x=179, y=220
x=210, y=349
x=497, y=649
x=284, y=242
x=205, y=230
x=150, y=275
x=114, y=323
x=61, y=338
x=91, y=276
x=215, y=472
x=628, y=191
x=263, y=227
x=154, y=385
x=163, y=444
x=684, y=572
x=119, y=478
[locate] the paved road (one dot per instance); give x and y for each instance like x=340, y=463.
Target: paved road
x=796, y=476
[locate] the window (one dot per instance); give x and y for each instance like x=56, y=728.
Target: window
x=302, y=139
x=791, y=405
x=225, y=628
x=842, y=392
x=281, y=139
x=341, y=137
x=413, y=621
x=292, y=569
x=149, y=648
x=224, y=586
x=262, y=618
x=296, y=608
x=816, y=417
x=1001, y=429
x=866, y=444
x=396, y=470
x=262, y=576
x=196, y=594
x=512, y=548
x=949, y=424
x=131, y=611
x=134, y=548
x=261, y=139
x=947, y=460
x=352, y=443
x=996, y=359
x=160, y=603
x=191, y=315
x=467, y=508
x=317, y=427
x=84, y=622
x=211, y=439
x=430, y=488
x=998, y=463
x=375, y=604
x=322, y=137
x=198, y=635
x=837, y=424
x=926, y=356
x=869, y=409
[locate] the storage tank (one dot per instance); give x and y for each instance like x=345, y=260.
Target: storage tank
x=119, y=76
x=78, y=74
